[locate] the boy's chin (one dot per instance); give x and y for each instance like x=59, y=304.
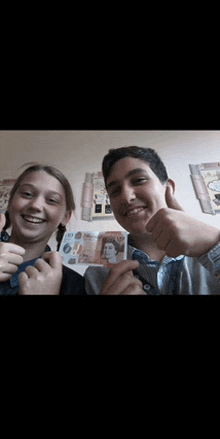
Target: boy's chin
x=140, y=232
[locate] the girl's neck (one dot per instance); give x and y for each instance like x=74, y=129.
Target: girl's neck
x=33, y=250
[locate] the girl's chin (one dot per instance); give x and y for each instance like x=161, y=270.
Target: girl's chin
x=28, y=234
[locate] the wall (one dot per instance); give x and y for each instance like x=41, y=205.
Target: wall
x=78, y=152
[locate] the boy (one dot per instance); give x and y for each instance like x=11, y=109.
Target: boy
x=169, y=252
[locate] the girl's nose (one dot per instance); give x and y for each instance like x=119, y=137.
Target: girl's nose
x=36, y=203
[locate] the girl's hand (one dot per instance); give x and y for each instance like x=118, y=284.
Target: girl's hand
x=11, y=256
x=2, y=221
x=44, y=278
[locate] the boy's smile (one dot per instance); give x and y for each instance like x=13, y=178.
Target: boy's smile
x=136, y=194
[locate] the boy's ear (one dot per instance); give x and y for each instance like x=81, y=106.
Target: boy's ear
x=171, y=201
x=171, y=184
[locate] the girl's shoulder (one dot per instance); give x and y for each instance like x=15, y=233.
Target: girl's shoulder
x=4, y=236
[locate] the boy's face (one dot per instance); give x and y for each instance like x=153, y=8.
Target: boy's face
x=136, y=194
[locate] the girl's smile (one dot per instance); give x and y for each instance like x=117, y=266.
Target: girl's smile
x=37, y=208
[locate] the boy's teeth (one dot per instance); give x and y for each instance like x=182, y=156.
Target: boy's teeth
x=132, y=212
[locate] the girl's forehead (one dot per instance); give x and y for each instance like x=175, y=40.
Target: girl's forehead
x=42, y=179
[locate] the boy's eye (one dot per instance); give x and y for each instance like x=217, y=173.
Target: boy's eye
x=139, y=180
x=114, y=192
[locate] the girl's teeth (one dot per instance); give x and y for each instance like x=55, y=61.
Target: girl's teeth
x=33, y=220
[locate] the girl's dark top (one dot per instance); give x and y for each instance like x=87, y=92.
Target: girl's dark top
x=72, y=282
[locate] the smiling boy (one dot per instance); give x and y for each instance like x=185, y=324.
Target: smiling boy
x=169, y=252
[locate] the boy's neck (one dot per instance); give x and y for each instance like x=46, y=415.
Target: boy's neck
x=148, y=246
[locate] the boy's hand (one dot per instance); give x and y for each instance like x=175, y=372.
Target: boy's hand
x=44, y=278
x=177, y=233
x=121, y=280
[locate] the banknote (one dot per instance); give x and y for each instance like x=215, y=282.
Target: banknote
x=94, y=248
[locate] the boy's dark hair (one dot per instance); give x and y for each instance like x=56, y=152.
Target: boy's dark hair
x=148, y=155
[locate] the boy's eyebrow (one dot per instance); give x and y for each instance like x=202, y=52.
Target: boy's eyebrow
x=129, y=174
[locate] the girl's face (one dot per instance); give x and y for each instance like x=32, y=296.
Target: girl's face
x=38, y=207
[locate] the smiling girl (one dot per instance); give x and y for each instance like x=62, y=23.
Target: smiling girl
x=41, y=203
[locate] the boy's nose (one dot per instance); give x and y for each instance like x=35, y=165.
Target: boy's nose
x=128, y=194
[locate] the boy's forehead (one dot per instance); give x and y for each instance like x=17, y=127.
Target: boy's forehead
x=126, y=167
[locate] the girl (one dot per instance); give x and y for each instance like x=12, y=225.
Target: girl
x=41, y=202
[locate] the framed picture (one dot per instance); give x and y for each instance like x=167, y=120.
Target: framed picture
x=101, y=204
x=5, y=189
x=206, y=181
x=95, y=199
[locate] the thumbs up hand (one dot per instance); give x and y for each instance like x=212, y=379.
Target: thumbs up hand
x=2, y=221
x=177, y=233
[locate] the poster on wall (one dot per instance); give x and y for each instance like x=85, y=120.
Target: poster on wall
x=95, y=199
x=206, y=181
x=5, y=189
x=93, y=248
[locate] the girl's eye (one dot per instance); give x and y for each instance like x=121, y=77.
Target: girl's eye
x=27, y=194
x=53, y=201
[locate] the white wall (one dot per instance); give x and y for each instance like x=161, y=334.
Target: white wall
x=78, y=152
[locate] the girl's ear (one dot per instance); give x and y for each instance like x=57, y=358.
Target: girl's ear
x=66, y=218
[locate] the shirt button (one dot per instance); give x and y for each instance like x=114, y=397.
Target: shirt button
x=146, y=287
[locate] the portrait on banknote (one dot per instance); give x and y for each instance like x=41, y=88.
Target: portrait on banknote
x=94, y=248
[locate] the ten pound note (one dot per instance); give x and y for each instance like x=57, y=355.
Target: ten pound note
x=93, y=248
